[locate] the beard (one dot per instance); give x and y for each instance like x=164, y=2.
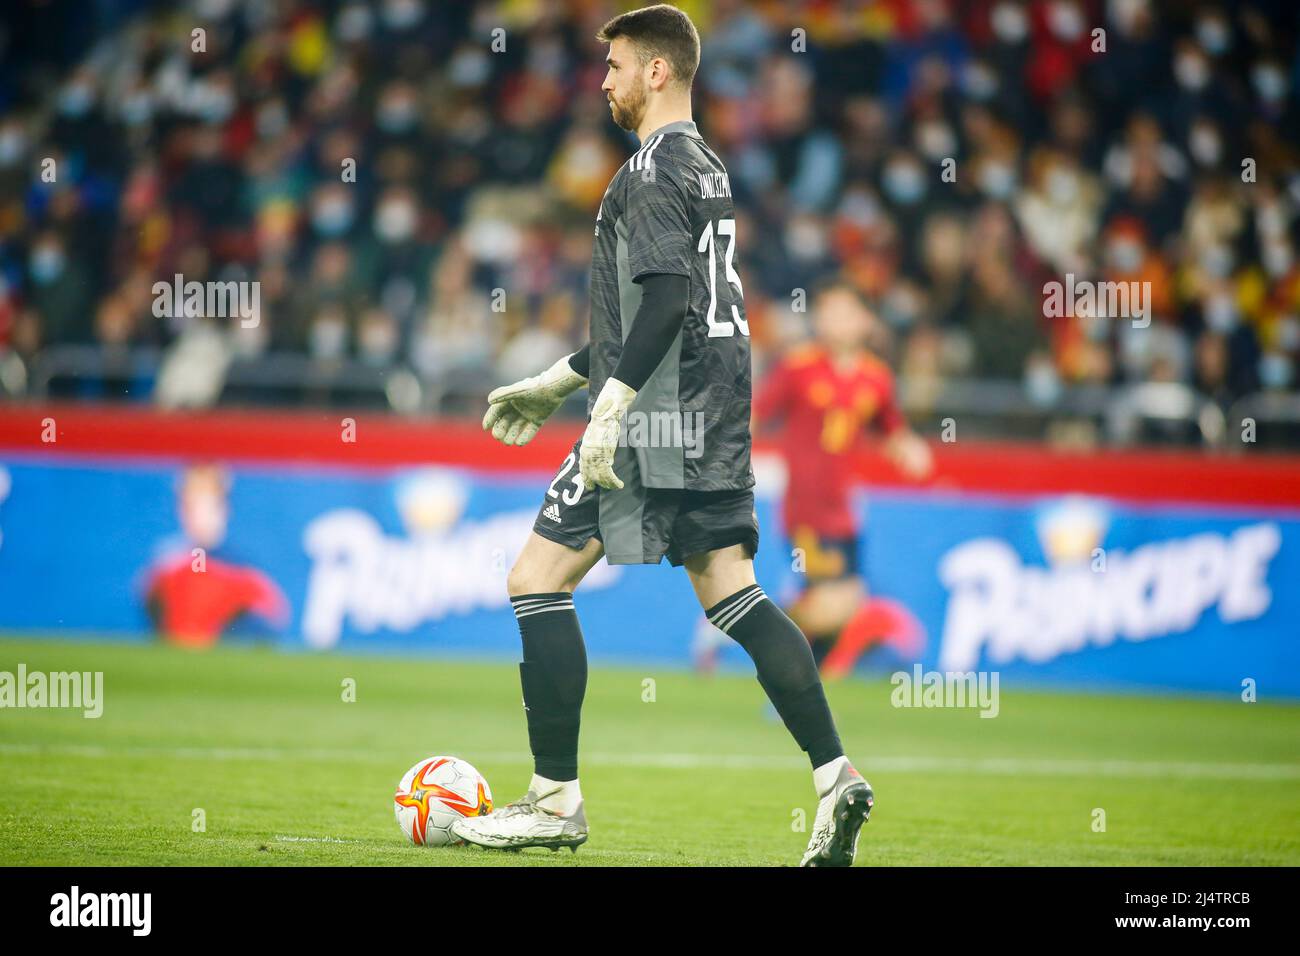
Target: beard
x=629, y=112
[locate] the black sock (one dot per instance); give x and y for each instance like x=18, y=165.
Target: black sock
x=554, y=678
x=821, y=645
x=785, y=667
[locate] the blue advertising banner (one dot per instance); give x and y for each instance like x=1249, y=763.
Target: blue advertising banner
x=1057, y=590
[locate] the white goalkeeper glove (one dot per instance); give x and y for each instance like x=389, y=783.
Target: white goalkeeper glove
x=600, y=441
x=516, y=412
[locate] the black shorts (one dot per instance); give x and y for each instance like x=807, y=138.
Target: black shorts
x=644, y=525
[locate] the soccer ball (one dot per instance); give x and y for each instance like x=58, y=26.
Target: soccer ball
x=434, y=794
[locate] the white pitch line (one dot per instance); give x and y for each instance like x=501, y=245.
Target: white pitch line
x=986, y=766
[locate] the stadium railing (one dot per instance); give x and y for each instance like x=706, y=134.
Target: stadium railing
x=1150, y=413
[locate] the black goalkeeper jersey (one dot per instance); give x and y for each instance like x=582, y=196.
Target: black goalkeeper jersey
x=669, y=210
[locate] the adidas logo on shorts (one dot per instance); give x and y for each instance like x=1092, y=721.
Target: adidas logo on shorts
x=553, y=513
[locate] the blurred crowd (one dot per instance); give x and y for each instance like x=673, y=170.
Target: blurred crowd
x=1164, y=148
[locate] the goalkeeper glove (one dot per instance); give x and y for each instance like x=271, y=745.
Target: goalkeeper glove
x=516, y=412
x=600, y=441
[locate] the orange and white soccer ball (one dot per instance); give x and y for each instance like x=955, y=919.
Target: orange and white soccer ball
x=434, y=794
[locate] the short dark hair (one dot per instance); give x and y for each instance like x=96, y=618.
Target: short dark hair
x=660, y=30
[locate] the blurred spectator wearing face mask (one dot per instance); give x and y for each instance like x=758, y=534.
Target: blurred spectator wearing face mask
x=1215, y=217
x=331, y=286
x=1199, y=90
x=804, y=159
x=1058, y=212
x=1128, y=257
x=946, y=261
x=1141, y=169
x=1062, y=45
x=59, y=291
x=333, y=211
x=458, y=331
x=1004, y=320
x=394, y=260
x=905, y=186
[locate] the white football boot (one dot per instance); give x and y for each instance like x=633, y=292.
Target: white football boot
x=524, y=823
x=840, y=814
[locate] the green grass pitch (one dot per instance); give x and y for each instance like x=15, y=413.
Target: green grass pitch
x=287, y=772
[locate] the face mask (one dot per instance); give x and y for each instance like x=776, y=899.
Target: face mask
x=1009, y=23
x=1062, y=186
x=998, y=180
x=1095, y=327
x=328, y=337
x=936, y=140
x=76, y=100
x=47, y=264
x=395, y=221
x=332, y=217
x=805, y=241
x=1221, y=313
x=272, y=120
x=1277, y=259
x=904, y=183
x=354, y=23
x=469, y=68
x=980, y=82
x=1214, y=36
x=214, y=9
x=1065, y=20
x=1269, y=81
x=1042, y=383
x=400, y=14
x=1275, y=370
x=13, y=146
x=902, y=307
x=1191, y=71
x=137, y=109
x=1288, y=333
x=396, y=117
x=1217, y=262
x=860, y=208
x=1205, y=145
x=1124, y=255
x=217, y=105
x=1271, y=220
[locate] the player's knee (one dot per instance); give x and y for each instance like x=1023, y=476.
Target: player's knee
x=518, y=580
x=528, y=577
x=828, y=605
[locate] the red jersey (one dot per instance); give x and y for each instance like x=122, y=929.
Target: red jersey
x=826, y=408
x=194, y=608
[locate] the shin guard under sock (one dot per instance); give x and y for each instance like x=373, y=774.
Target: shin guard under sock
x=785, y=666
x=554, y=678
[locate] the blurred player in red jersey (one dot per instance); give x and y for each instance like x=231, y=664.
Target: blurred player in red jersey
x=192, y=603
x=830, y=393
